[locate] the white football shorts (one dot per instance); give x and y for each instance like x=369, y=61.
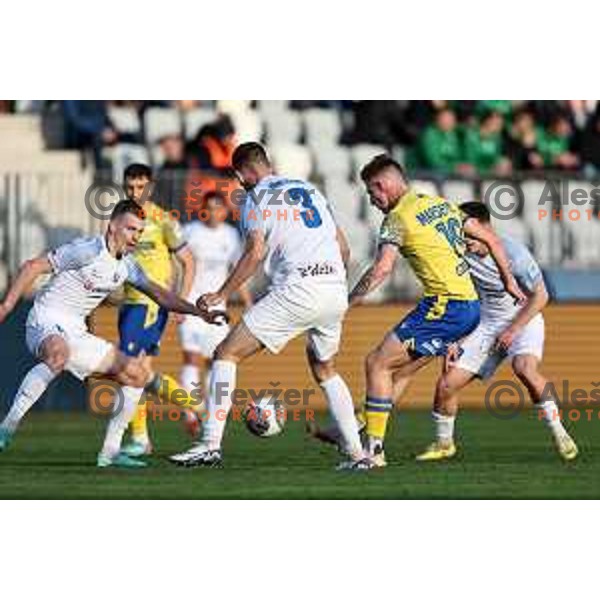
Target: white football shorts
x=86, y=351
x=315, y=308
x=479, y=357
x=200, y=337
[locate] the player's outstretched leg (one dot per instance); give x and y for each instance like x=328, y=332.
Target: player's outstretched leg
x=341, y=407
x=526, y=368
x=237, y=346
x=54, y=353
x=391, y=358
x=131, y=374
x=445, y=409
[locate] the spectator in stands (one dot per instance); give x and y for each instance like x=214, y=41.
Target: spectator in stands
x=555, y=144
x=580, y=112
x=380, y=122
x=590, y=146
x=87, y=127
x=441, y=146
x=523, y=142
x=503, y=107
x=484, y=146
x=213, y=146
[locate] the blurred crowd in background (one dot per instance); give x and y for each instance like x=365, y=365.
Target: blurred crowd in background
x=451, y=137
x=454, y=147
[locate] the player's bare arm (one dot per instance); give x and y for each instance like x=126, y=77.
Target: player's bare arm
x=344, y=246
x=473, y=228
x=170, y=301
x=534, y=304
x=251, y=258
x=376, y=274
x=185, y=258
x=29, y=272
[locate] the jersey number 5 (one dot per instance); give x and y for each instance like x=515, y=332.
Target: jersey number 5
x=310, y=216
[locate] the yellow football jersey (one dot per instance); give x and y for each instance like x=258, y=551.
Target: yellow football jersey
x=428, y=232
x=162, y=235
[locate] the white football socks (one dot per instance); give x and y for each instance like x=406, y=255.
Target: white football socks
x=551, y=416
x=340, y=404
x=444, y=427
x=32, y=387
x=218, y=402
x=190, y=377
x=124, y=410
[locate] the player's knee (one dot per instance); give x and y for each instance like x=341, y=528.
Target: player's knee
x=374, y=361
x=223, y=352
x=56, y=357
x=134, y=373
x=324, y=370
x=524, y=367
x=56, y=361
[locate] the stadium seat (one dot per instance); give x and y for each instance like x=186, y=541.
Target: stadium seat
x=424, y=186
x=122, y=155
x=548, y=242
x=399, y=154
x=362, y=154
x=533, y=191
x=323, y=127
x=159, y=122
x=344, y=197
x=284, y=127
x=269, y=107
x=292, y=159
x=124, y=119
x=232, y=107
x=502, y=197
x=333, y=162
x=248, y=126
x=513, y=228
x=458, y=191
x=195, y=119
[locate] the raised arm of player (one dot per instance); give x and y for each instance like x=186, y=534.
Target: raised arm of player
x=535, y=303
x=252, y=256
x=376, y=274
x=476, y=230
x=28, y=273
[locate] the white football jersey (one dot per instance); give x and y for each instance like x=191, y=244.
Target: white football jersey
x=216, y=250
x=299, y=228
x=496, y=302
x=85, y=273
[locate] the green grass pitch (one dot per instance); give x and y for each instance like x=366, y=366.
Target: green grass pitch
x=53, y=456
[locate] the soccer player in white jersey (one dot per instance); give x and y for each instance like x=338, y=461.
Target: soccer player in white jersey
x=506, y=330
x=216, y=247
x=84, y=272
x=288, y=224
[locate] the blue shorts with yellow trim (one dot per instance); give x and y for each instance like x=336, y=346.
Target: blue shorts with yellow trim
x=435, y=323
x=136, y=334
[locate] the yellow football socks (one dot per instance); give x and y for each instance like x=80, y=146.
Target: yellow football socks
x=377, y=412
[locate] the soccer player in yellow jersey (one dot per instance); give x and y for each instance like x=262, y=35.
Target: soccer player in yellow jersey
x=428, y=232
x=141, y=321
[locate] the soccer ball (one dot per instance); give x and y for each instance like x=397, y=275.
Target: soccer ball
x=265, y=419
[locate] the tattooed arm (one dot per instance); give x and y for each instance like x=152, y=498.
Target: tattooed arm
x=376, y=274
